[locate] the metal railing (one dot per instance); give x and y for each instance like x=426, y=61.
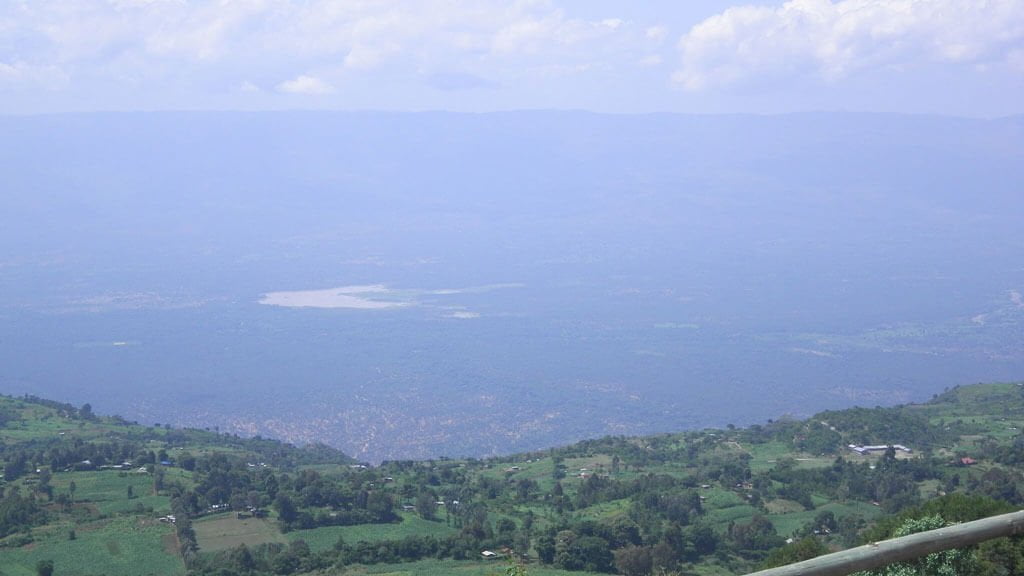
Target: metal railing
x=878, y=554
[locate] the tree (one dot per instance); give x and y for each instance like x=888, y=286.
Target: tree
x=241, y=559
x=515, y=568
x=805, y=549
x=593, y=554
x=44, y=568
x=956, y=562
x=286, y=509
x=546, y=547
x=633, y=561
x=187, y=461
x=758, y=534
x=426, y=505
x=15, y=466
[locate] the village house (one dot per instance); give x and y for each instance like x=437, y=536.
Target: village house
x=865, y=450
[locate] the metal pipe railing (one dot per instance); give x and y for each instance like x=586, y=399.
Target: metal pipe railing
x=877, y=554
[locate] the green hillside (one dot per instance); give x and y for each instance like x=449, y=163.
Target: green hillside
x=98, y=495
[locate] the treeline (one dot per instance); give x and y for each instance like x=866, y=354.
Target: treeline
x=18, y=513
x=660, y=523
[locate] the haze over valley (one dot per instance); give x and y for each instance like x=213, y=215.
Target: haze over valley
x=425, y=284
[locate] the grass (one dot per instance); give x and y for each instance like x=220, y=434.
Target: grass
x=723, y=507
x=609, y=509
x=766, y=455
x=108, y=490
x=781, y=506
x=411, y=525
x=225, y=531
x=110, y=544
x=118, y=547
x=455, y=568
x=787, y=523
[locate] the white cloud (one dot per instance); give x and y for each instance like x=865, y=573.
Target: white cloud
x=20, y=73
x=153, y=41
x=304, y=84
x=650, y=60
x=656, y=34
x=832, y=40
x=392, y=54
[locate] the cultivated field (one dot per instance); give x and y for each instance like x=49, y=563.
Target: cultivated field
x=225, y=531
x=120, y=547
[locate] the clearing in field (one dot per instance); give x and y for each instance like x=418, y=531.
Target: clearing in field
x=324, y=538
x=108, y=490
x=453, y=568
x=224, y=532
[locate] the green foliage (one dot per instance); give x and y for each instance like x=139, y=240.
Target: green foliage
x=801, y=550
x=44, y=567
x=957, y=562
x=701, y=501
x=18, y=512
x=953, y=508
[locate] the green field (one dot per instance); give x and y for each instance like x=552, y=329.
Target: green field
x=786, y=524
x=453, y=567
x=111, y=525
x=225, y=531
x=118, y=547
x=411, y=525
x=107, y=490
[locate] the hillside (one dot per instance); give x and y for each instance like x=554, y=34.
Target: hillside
x=99, y=495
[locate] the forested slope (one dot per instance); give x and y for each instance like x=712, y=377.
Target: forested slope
x=88, y=494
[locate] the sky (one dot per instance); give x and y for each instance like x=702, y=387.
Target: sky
x=950, y=57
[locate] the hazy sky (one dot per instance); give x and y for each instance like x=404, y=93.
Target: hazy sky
x=962, y=57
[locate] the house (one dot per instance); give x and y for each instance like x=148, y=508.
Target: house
x=968, y=461
x=865, y=450
x=489, y=555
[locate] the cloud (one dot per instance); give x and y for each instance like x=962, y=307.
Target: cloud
x=20, y=73
x=650, y=60
x=656, y=34
x=834, y=40
x=310, y=85
x=159, y=45
x=358, y=35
